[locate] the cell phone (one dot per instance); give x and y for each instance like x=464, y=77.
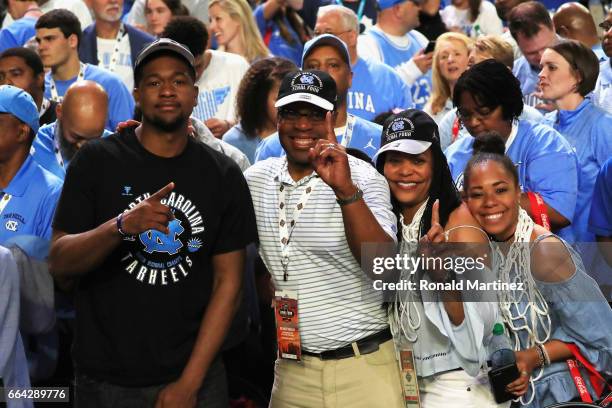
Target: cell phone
x=430, y=47
x=500, y=378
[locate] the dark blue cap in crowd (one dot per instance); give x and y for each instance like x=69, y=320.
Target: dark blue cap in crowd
x=327, y=39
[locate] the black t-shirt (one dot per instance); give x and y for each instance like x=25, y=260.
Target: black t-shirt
x=139, y=313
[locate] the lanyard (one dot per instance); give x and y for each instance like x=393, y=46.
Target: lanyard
x=4, y=201
x=54, y=96
x=285, y=228
x=348, y=133
x=56, y=146
x=359, y=10
x=115, y=57
x=43, y=107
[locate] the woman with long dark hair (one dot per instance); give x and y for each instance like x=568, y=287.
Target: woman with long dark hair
x=556, y=311
x=255, y=109
x=282, y=29
x=447, y=334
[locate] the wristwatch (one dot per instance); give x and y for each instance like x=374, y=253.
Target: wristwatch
x=355, y=197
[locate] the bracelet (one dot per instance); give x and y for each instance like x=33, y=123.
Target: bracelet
x=120, y=226
x=355, y=197
x=545, y=353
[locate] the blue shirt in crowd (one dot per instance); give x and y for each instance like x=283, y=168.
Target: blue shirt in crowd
x=43, y=149
x=120, y=100
x=247, y=144
x=18, y=33
x=588, y=130
x=600, y=220
x=528, y=77
x=33, y=195
x=376, y=89
x=541, y=155
x=365, y=137
x=602, y=95
x=395, y=56
x=277, y=45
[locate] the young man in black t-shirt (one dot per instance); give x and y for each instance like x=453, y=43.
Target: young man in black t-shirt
x=155, y=225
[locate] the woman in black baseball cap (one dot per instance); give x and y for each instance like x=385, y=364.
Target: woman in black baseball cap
x=431, y=213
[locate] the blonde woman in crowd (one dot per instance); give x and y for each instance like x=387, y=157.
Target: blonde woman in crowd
x=450, y=60
x=233, y=26
x=491, y=47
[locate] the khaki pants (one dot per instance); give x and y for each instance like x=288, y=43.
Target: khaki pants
x=370, y=380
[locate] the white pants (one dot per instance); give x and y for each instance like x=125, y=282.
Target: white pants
x=458, y=389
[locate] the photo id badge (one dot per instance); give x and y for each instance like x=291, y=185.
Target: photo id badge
x=287, y=325
x=410, y=383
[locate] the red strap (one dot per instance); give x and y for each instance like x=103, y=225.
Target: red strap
x=268, y=36
x=455, y=130
x=579, y=381
x=597, y=381
x=539, y=210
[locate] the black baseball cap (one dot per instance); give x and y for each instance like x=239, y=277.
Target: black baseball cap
x=411, y=131
x=165, y=45
x=315, y=87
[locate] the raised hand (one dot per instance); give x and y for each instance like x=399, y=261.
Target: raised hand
x=330, y=161
x=149, y=214
x=432, y=243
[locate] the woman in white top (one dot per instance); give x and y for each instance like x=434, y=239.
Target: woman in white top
x=472, y=17
x=447, y=335
x=450, y=60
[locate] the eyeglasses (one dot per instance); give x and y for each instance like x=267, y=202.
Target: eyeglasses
x=318, y=33
x=313, y=115
x=606, y=25
x=468, y=116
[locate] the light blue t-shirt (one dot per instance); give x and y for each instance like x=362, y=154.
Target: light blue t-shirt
x=600, y=220
x=277, y=45
x=120, y=100
x=445, y=127
x=393, y=56
x=545, y=162
x=602, y=95
x=588, y=130
x=365, y=137
x=241, y=141
x=528, y=77
x=18, y=33
x=33, y=196
x=599, y=52
x=43, y=149
x=376, y=89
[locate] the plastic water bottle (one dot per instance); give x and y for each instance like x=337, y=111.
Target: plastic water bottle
x=501, y=352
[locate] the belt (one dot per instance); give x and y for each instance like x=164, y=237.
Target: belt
x=366, y=345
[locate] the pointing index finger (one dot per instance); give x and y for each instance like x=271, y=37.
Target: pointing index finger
x=329, y=122
x=435, y=213
x=163, y=192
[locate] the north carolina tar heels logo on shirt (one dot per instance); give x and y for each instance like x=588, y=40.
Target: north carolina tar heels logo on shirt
x=12, y=225
x=159, y=259
x=156, y=241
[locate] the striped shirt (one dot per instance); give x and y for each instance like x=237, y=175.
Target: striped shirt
x=337, y=303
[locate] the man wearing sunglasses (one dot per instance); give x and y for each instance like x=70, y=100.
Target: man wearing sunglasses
x=315, y=207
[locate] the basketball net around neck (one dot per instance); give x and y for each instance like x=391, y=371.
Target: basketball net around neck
x=404, y=316
x=526, y=310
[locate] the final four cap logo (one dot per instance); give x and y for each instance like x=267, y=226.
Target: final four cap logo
x=314, y=87
x=411, y=131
